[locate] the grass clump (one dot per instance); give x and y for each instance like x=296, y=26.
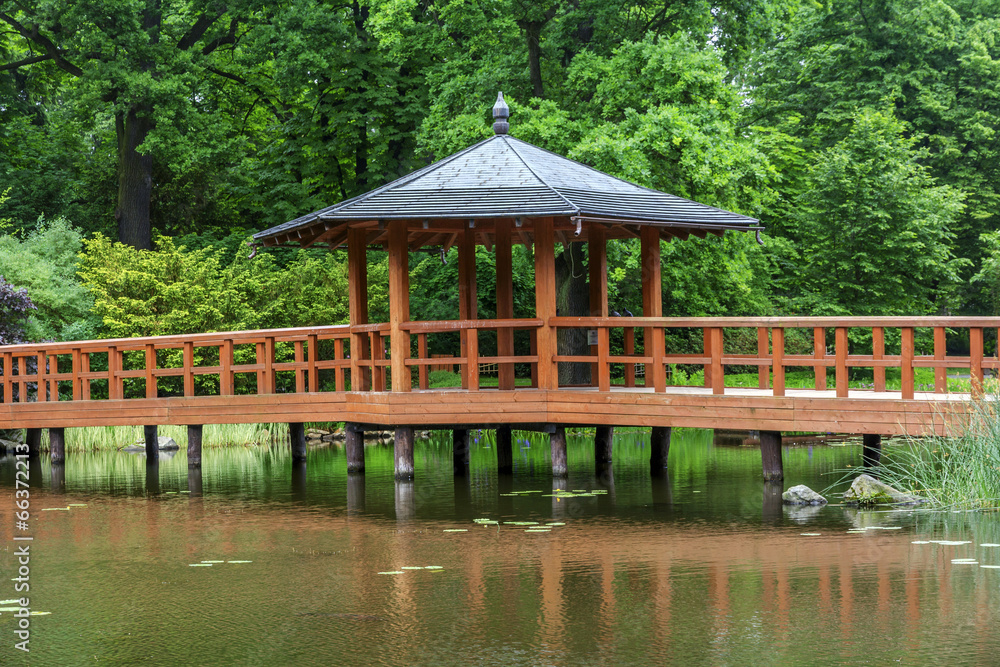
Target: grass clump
x=960, y=470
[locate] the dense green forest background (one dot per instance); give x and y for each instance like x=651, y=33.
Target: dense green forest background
x=864, y=135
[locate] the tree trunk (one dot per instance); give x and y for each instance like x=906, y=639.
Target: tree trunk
x=533, y=33
x=572, y=299
x=135, y=179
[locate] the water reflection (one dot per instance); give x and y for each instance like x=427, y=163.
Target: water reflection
x=700, y=565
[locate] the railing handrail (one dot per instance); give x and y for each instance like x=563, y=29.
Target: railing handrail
x=792, y=322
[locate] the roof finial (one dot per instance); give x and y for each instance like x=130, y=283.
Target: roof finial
x=501, y=112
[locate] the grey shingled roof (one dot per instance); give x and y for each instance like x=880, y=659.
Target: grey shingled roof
x=506, y=177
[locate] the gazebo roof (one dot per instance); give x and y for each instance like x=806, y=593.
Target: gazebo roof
x=504, y=177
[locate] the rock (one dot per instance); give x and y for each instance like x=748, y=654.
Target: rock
x=802, y=495
x=163, y=443
x=866, y=490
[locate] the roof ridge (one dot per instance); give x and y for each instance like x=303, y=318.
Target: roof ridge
x=535, y=174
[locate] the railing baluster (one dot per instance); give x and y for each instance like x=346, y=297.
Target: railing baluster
x=764, y=371
x=42, y=381
x=85, y=368
x=300, y=373
x=778, y=360
x=878, y=353
x=259, y=349
x=8, y=374
x=603, y=352
x=718, y=372
x=53, y=385
x=819, y=353
x=312, y=379
x=115, y=390
x=150, y=367
x=338, y=373
x=940, y=351
x=629, y=351
x=841, y=369
x=976, y=359
x=657, y=350
x=422, y=377
x=77, y=380
x=472, y=358
x=706, y=337
x=226, y=374
x=906, y=363
x=533, y=350
x=269, y=365
x=188, y=368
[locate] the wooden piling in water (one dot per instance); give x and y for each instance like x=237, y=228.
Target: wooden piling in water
x=152, y=440
x=354, y=448
x=58, y=477
x=505, y=452
x=602, y=444
x=297, y=433
x=403, y=450
x=871, y=449
x=460, y=449
x=194, y=445
x=770, y=456
x=557, y=441
x=194, y=481
x=659, y=448
x=33, y=438
x=355, y=494
x=57, y=445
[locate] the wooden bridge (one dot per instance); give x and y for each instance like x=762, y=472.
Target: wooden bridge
x=494, y=194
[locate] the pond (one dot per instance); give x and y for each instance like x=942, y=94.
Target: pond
x=702, y=566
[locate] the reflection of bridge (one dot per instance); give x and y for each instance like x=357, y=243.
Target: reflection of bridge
x=303, y=375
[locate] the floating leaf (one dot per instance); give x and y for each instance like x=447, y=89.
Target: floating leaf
x=41, y=613
x=920, y=542
x=951, y=543
x=456, y=530
x=556, y=523
x=55, y=509
x=10, y=608
x=14, y=601
x=810, y=534
x=537, y=530
x=991, y=567
x=239, y=561
x=433, y=567
x=988, y=544
x=72, y=505
x=412, y=567
x=965, y=561
x=199, y=565
x=392, y=572
x=213, y=561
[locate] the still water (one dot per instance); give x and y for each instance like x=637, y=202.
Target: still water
x=701, y=567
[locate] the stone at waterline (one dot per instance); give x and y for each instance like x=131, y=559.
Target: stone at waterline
x=866, y=490
x=802, y=495
x=164, y=444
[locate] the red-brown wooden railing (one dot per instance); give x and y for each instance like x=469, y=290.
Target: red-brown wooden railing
x=36, y=372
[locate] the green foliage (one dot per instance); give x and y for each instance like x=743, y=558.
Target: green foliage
x=45, y=263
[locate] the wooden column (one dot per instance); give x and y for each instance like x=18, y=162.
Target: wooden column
x=557, y=441
x=152, y=444
x=297, y=434
x=460, y=449
x=840, y=344
x=770, y=455
x=505, y=302
x=976, y=360
x=659, y=447
x=357, y=293
x=597, y=260
x=33, y=438
x=403, y=450
x=906, y=362
x=940, y=351
x=505, y=450
x=871, y=449
x=468, y=306
x=57, y=445
x=194, y=445
x=652, y=305
x=399, y=305
x=354, y=448
x=603, y=445
x=878, y=351
x=545, y=302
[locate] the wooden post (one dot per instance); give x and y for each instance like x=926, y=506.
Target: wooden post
x=33, y=438
x=57, y=445
x=878, y=352
x=545, y=302
x=150, y=367
x=505, y=302
x=312, y=371
x=906, y=363
x=152, y=444
x=189, y=368
x=423, y=377
x=194, y=481
x=629, y=351
x=470, y=376
x=706, y=343
x=357, y=292
x=300, y=373
x=399, y=305
x=226, y=362
x=940, y=351
x=718, y=372
x=460, y=449
x=403, y=450
x=114, y=382
x=763, y=352
x=652, y=305
x=778, y=360
x=269, y=376
x=770, y=455
x=354, y=447
x=297, y=434
x=194, y=445
x=659, y=447
x=819, y=353
x=355, y=494
x=871, y=449
x=468, y=300
x=597, y=266
x=505, y=453
x=841, y=361
x=603, y=448
x=976, y=360
x=42, y=384
x=557, y=441
x=58, y=477
x=8, y=374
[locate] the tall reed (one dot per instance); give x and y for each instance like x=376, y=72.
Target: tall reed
x=105, y=438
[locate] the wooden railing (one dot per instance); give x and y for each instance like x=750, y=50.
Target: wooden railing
x=292, y=360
